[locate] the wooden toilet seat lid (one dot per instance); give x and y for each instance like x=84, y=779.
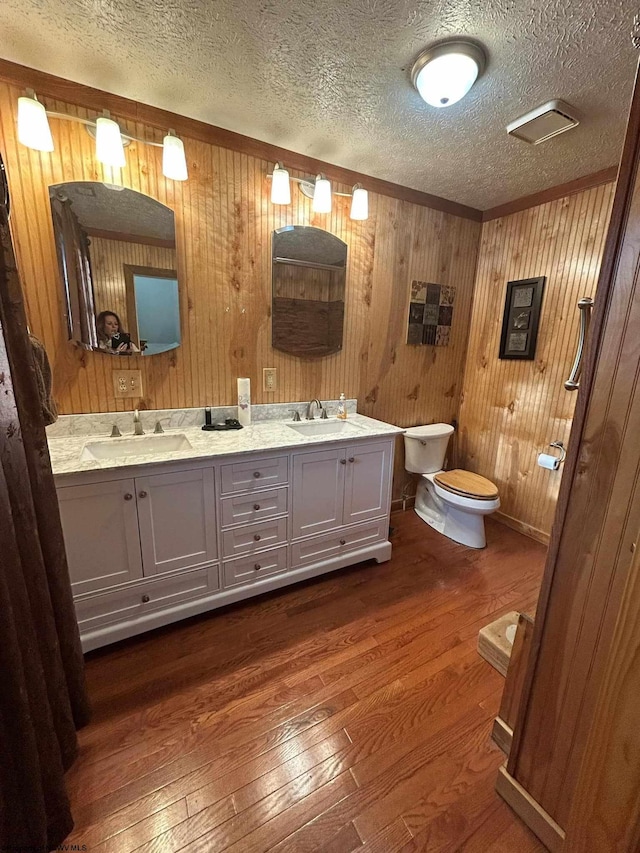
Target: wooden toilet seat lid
x=467, y=484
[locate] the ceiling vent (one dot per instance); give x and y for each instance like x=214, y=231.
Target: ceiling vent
x=545, y=121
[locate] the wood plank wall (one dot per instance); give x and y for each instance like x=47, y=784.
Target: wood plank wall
x=512, y=410
x=224, y=221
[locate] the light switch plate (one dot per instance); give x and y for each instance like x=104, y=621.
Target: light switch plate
x=127, y=383
x=269, y=379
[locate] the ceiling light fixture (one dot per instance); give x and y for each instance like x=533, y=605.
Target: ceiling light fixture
x=444, y=73
x=33, y=124
x=322, y=196
x=34, y=132
x=280, y=186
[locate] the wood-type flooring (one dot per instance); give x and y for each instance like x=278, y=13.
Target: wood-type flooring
x=351, y=712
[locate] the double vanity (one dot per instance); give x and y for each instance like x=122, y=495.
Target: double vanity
x=165, y=525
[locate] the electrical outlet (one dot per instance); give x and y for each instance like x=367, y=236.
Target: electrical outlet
x=269, y=379
x=127, y=383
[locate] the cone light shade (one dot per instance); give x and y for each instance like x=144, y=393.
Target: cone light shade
x=33, y=125
x=280, y=186
x=109, y=148
x=359, y=203
x=322, y=196
x=174, y=162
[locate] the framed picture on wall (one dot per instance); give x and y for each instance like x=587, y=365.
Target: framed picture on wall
x=521, y=318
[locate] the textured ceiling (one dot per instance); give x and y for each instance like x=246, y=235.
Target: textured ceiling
x=330, y=78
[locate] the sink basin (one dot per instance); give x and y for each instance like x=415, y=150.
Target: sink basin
x=324, y=427
x=140, y=445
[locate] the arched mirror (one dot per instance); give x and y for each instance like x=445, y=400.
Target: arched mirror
x=308, y=285
x=117, y=257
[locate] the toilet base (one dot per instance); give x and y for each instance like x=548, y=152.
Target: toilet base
x=460, y=525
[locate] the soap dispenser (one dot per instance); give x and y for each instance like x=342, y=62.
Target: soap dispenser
x=342, y=408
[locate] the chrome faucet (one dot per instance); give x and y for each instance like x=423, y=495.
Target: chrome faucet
x=310, y=408
x=137, y=425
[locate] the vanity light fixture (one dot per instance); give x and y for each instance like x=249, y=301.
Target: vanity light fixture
x=319, y=190
x=444, y=72
x=109, y=147
x=322, y=196
x=174, y=162
x=34, y=132
x=280, y=186
x=33, y=124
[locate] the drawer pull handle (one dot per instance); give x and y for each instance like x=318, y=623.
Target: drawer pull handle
x=145, y=599
x=257, y=567
x=257, y=537
x=343, y=541
x=256, y=474
x=256, y=507
x=343, y=461
x=352, y=459
x=128, y=496
x=142, y=494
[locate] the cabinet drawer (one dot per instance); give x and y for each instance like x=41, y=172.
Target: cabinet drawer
x=125, y=603
x=254, y=474
x=250, y=569
x=246, y=509
x=254, y=537
x=333, y=544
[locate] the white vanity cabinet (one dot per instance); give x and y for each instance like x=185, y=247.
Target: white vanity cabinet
x=151, y=544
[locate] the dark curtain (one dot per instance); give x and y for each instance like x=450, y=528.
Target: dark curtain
x=42, y=691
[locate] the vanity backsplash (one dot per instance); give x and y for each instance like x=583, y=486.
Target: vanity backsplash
x=102, y=423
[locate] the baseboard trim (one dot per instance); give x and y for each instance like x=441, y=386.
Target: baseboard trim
x=529, y=811
x=521, y=527
x=502, y=735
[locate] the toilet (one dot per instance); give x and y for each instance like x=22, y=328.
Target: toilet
x=452, y=502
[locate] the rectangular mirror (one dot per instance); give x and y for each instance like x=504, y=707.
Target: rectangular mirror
x=117, y=257
x=308, y=286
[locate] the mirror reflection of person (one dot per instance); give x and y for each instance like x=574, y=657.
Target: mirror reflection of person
x=108, y=326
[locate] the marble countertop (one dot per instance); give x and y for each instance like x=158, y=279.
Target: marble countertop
x=68, y=454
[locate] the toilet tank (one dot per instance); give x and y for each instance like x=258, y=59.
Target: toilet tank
x=425, y=448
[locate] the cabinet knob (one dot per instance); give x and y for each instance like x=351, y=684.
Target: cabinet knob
x=257, y=567
x=256, y=507
x=352, y=459
x=128, y=497
x=343, y=541
x=145, y=599
x=256, y=536
x=256, y=474
x=142, y=494
x=343, y=461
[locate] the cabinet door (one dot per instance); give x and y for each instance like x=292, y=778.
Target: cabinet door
x=176, y=513
x=367, y=481
x=100, y=526
x=318, y=491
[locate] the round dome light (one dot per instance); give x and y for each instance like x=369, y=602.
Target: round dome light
x=444, y=73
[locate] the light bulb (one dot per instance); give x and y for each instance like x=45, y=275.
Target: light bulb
x=359, y=203
x=33, y=125
x=109, y=147
x=174, y=162
x=280, y=186
x=322, y=196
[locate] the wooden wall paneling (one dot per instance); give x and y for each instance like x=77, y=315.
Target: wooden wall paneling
x=597, y=520
x=512, y=410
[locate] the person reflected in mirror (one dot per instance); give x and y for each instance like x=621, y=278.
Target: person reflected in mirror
x=111, y=336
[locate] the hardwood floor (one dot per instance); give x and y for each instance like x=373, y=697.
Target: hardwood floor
x=351, y=712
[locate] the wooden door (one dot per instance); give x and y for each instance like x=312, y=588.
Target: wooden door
x=593, y=538
x=177, y=520
x=318, y=491
x=100, y=526
x=367, y=481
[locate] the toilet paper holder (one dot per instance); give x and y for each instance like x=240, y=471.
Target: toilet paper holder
x=563, y=453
